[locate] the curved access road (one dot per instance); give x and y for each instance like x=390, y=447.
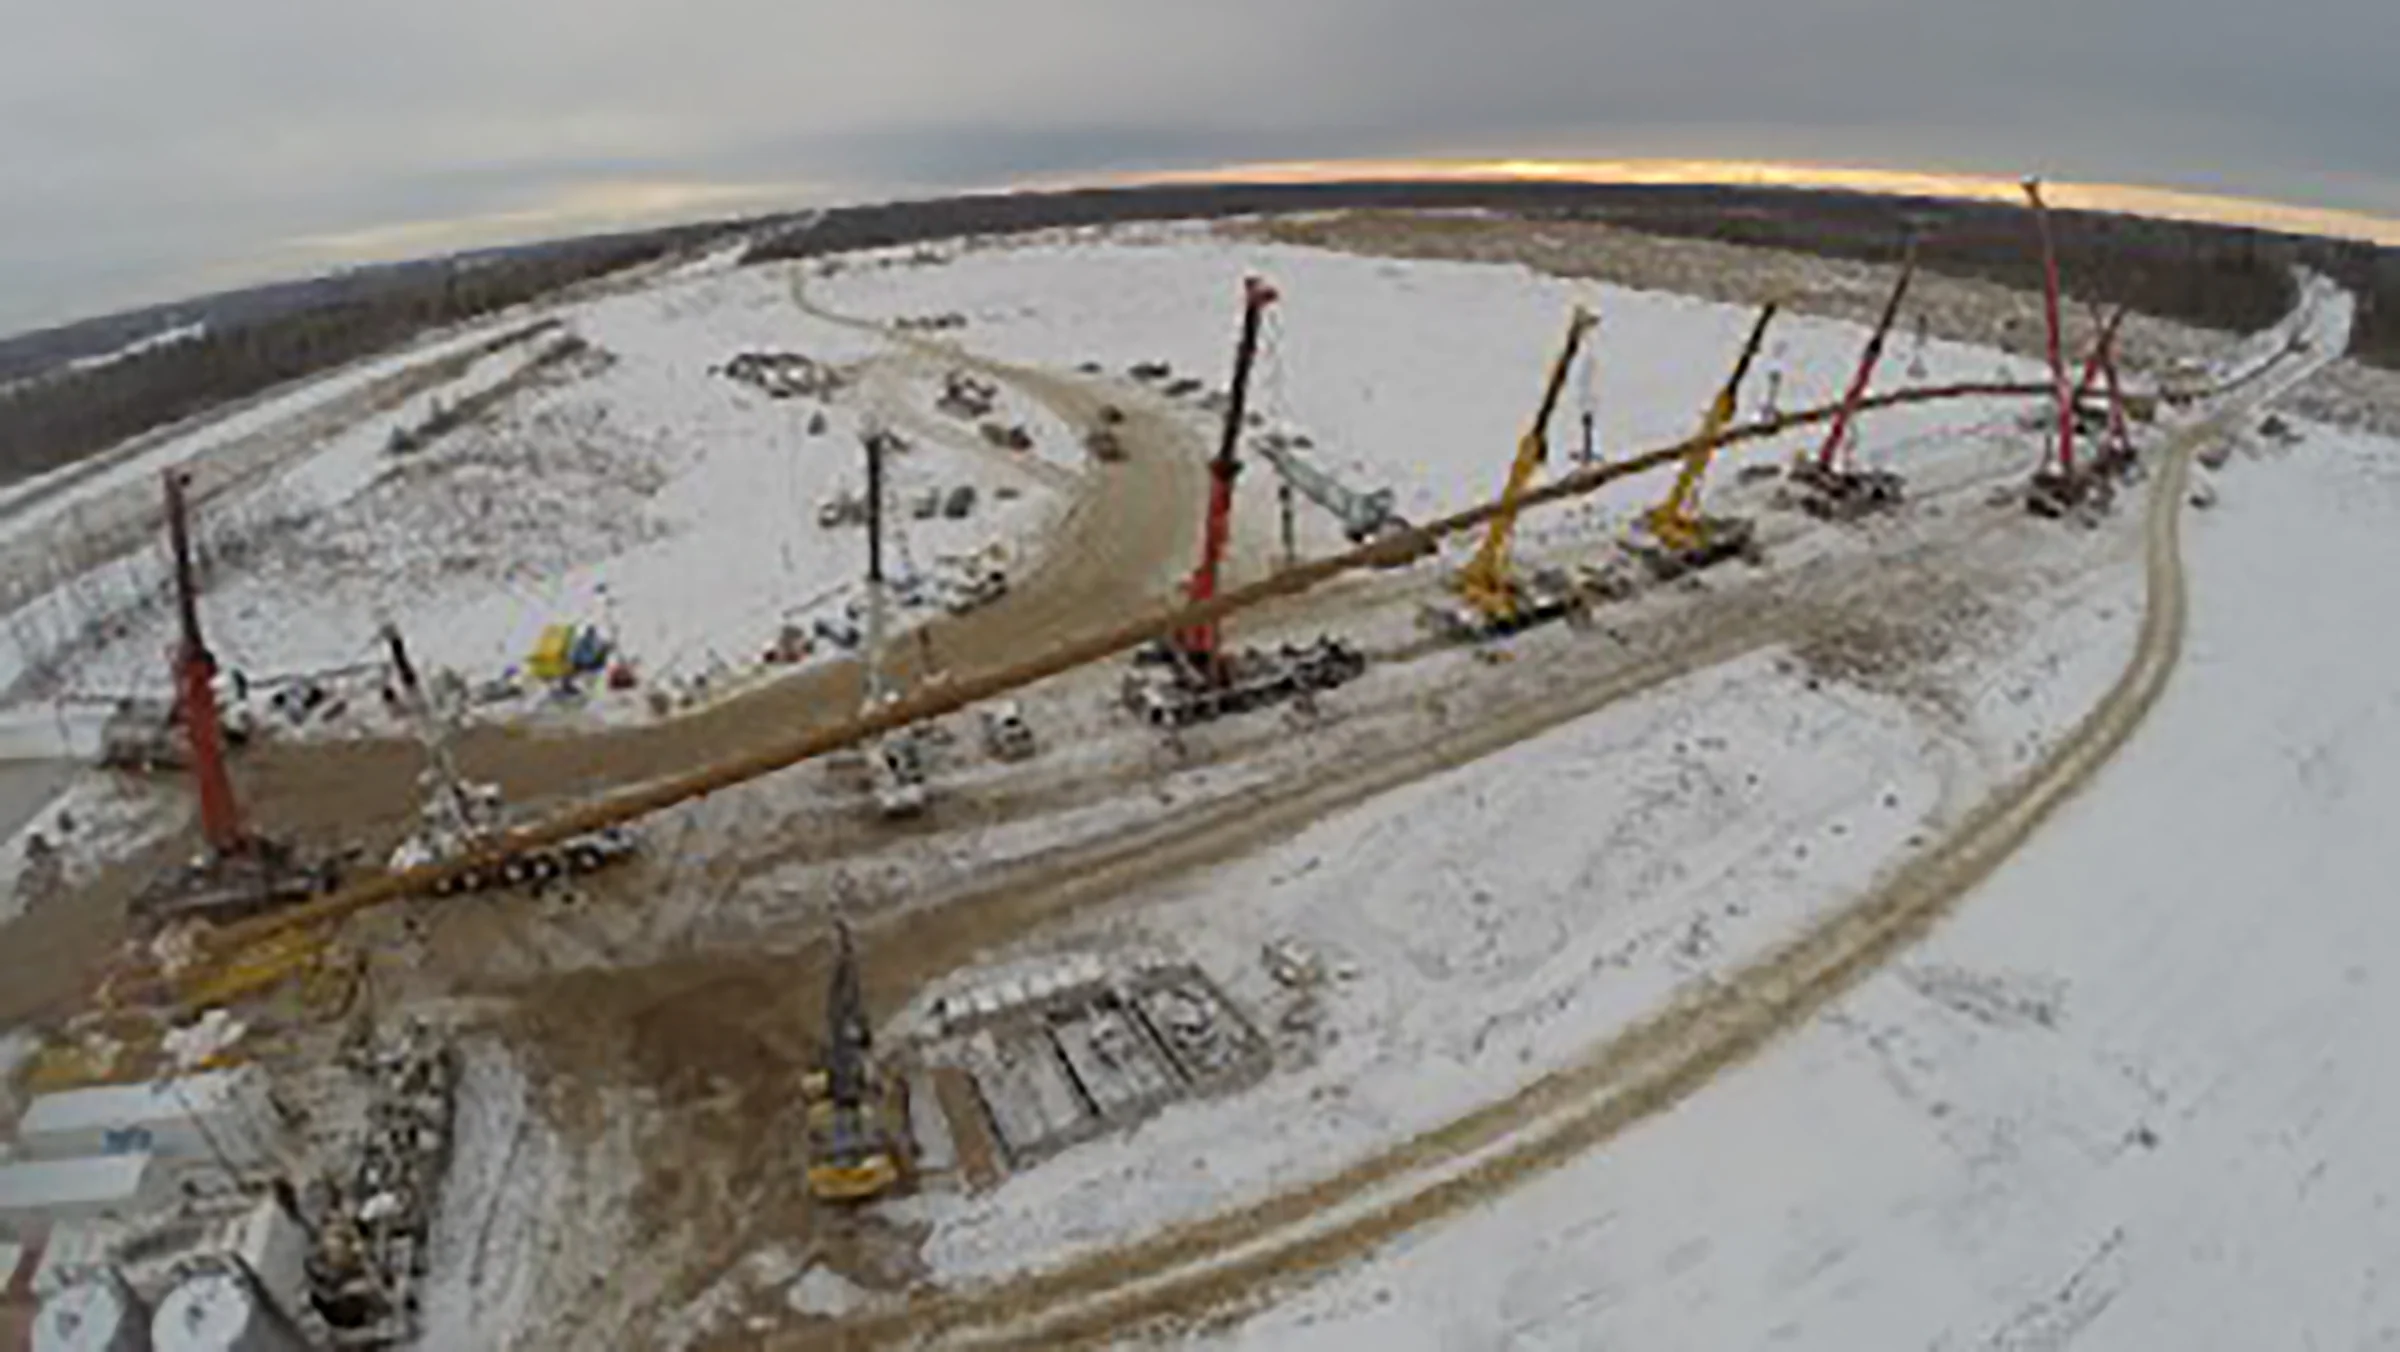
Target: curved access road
x=1238, y=1257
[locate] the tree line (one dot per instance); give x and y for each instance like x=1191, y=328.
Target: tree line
x=57, y=418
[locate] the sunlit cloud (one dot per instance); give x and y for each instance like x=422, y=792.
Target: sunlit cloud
x=582, y=208
x=2118, y=197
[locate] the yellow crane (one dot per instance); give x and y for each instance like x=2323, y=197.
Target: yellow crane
x=1681, y=539
x=1496, y=600
x=855, y=1118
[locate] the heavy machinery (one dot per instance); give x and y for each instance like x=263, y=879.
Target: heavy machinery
x=896, y=760
x=2060, y=487
x=1191, y=677
x=458, y=817
x=1680, y=539
x=1493, y=597
x=1364, y=514
x=1833, y=486
x=857, y=1135
x=237, y=872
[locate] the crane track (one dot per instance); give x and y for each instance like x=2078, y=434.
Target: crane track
x=1238, y=1257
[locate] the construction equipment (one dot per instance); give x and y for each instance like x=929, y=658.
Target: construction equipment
x=1006, y=734
x=1493, y=598
x=1680, y=539
x=2060, y=487
x=457, y=817
x=1364, y=515
x=895, y=761
x=1834, y=487
x=857, y=1142
x=1191, y=677
x=238, y=872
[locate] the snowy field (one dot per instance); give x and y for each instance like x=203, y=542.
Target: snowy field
x=1486, y=925
x=634, y=486
x=1414, y=375
x=2123, y=1099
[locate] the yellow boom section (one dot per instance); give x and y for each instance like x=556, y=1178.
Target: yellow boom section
x=1676, y=523
x=1487, y=582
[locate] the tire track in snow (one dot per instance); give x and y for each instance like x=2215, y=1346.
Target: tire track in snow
x=1234, y=1260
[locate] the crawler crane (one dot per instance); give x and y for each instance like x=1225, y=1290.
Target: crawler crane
x=1835, y=488
x=1493, y=598
x=1681, y=540
x=238, y=872
x=857, y=1144
x=1192, y=677
x=2060, y=487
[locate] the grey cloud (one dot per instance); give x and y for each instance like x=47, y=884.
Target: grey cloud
x=146, y=144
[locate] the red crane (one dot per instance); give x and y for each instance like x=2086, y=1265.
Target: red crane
x=2058, y=365
x=196, y=691
x=1840, y=430
x=1200, y=645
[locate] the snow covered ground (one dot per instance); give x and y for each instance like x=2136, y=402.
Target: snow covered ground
x=1488, y=924
x=636, y=486
x=2126, y=1098
x=1410, y=374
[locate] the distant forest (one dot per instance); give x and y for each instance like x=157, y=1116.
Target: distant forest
x=257, y=339
x=2225, y=277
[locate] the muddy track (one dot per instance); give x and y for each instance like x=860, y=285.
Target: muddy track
x=1238, y=1257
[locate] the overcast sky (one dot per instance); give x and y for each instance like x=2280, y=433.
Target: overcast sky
x=150, y=148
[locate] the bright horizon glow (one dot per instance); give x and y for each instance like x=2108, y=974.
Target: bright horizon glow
x=2128, y=199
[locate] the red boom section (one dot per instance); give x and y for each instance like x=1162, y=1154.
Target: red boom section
x=1866, y=364
x=1201, y=641
x=2058, y=364
x=195, y=687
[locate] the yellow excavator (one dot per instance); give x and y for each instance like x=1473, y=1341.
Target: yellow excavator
x=1681, y=540
x=1493, y=598
x=856, y=1122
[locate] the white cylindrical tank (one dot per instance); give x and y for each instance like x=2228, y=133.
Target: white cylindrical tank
x=98, y=1314
x=221, y=1312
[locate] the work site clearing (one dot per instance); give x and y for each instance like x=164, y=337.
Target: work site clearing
x=1370, y=962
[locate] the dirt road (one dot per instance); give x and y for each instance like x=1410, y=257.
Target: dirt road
x=1114, y=555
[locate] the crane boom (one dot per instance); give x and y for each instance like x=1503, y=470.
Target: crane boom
x=1487, y=581
x=195, y=680
x=2058, y=364
x=1866, y=363
x=1200, y=643
x=1672, y=521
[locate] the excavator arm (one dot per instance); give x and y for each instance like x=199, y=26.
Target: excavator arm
x=1675, y=522
x=1486, y=581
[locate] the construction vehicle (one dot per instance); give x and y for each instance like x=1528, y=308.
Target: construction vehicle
x=1191, y=676
x=1680, y=539
x=857, y=1139
x=458, y=817
x=1494, y=598
x=2060, y=487
x=238, y=872
x=1006, y=734
x=895, y=761
x=1833, y=486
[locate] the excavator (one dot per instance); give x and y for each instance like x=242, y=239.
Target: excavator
x=1833, y=489
x=1681, y=540
x=856, y=1134
x=1493, y=598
